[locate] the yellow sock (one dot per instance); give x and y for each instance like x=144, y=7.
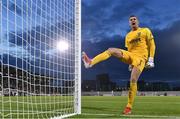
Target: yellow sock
x=101, y=57
x=132, y=94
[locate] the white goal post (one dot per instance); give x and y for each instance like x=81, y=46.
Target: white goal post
x=40, y=58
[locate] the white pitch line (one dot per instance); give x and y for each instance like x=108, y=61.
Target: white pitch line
x=136, y=102
x=98, y=114
x=141, y=116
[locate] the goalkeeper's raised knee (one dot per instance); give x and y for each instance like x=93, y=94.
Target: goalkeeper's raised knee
x=115, y=52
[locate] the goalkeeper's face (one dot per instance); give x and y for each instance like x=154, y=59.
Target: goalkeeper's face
x=133, y=22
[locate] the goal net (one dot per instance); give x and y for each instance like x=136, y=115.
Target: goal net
x=40, y=70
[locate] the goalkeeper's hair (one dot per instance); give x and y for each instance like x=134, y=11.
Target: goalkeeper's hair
x=132, y=16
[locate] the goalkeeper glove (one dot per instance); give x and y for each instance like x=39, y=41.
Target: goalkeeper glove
x=130, y=67
x=150, y=63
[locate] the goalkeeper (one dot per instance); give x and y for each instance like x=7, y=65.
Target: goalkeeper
x=139, y=54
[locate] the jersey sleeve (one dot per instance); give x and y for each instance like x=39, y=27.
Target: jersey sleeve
x=149, y=34
x=151, y=43
x=126, y=43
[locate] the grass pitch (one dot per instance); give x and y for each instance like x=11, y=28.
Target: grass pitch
x=42, y=107
x=144, y=107
x=35, y=107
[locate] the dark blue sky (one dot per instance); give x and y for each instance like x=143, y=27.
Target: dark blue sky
x=105, y=24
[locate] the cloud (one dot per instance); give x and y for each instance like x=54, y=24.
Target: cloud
x=108, y=18
x=37, y=44
x=16, y=51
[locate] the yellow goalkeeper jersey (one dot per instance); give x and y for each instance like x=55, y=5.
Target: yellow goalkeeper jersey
x=140, y=43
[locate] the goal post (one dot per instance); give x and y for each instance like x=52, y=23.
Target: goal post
x=40, y=58
x=78, y=58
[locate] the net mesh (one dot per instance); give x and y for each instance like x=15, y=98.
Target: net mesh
x=38, y=58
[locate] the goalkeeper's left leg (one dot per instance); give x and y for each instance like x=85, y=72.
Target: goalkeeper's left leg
x=132, y=90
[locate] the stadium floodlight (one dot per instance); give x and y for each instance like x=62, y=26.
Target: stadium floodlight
x=62, y=46
x=35, y=80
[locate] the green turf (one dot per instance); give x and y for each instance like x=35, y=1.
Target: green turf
x=42, y=107
x=92, y=107
x=144, y=107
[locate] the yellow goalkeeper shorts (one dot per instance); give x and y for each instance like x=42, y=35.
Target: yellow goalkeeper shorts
x=132, y=59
